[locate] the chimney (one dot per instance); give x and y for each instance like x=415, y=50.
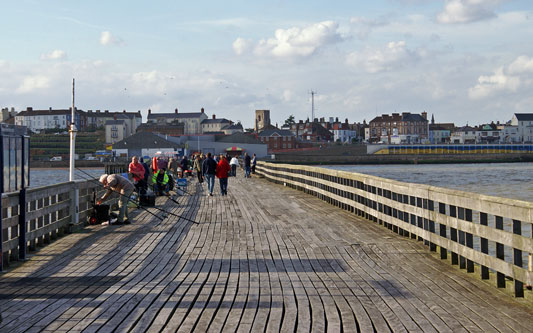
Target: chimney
x=214, y=116
x=202, y=110
x=124, y=111
x=106, y=111
x=176, y=110
x=425, y=115
x=97, y=111
x=346, y=121
x=149, y=111
x=29, y=108
x=336, y=119
x=50, y=108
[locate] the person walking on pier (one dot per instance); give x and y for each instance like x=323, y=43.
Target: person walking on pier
x=223, y=168
x=234, y=164
x=198, y=161
x=209, y=169
x=121, y=185
x=247, y=165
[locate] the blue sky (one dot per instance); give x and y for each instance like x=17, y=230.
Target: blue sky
x=461, y=60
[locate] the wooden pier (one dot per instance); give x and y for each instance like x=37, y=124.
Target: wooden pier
x=264, y=258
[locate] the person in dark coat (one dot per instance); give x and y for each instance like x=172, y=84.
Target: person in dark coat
x=209, y=169
x=247, y=165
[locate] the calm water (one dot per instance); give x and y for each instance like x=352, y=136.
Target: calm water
x=43, y=177
x=508, y=180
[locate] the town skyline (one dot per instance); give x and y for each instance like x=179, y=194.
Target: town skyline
x=460, y=60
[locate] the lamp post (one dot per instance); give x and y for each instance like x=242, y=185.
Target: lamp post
x=72, y=132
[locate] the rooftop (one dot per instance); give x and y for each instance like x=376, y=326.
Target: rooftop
x=146, y=140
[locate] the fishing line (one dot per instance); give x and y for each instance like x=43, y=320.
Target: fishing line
x=136, y=202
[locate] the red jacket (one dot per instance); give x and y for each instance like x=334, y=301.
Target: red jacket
x=223, y=168
x=137, y=170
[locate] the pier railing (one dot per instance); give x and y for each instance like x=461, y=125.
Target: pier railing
x=479, y=232
x=33, y=217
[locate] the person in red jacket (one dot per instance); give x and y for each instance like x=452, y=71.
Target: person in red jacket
x=223, y=168
x=137, y=171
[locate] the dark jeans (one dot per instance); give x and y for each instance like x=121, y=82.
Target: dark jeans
x=234, y=170
x=223, y=186
x=160, y=189
x=200, y=177
x=140, y=187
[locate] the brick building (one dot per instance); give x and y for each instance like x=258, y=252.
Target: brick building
x=399, y=128
x=277, y=139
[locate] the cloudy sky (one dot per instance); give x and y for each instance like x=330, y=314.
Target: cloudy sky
x=461, y=60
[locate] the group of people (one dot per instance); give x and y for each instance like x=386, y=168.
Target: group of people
x=164, y=172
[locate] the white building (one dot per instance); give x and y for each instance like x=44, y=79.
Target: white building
x=38, y=120
x=463, y=135
x=116, y=130
x=214, y=125
x=192, y=120
x=342, y=132
x=509, y=134
x=488, y=133
x=524, y=124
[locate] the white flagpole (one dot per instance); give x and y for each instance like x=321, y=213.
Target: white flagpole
x=72, y=136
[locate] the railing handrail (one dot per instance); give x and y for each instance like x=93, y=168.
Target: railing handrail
x=418, y=208
x=46, y=211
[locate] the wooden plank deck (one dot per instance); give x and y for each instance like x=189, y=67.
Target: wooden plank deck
x=264, y=258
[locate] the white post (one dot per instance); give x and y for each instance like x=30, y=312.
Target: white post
x=72, y=131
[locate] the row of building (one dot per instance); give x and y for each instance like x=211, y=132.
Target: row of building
x=396, y=128
x=406, y=128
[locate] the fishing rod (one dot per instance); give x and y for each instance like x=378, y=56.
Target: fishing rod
x=129, y=199
x=136, y=202
x=169, y=197
x=122, y=195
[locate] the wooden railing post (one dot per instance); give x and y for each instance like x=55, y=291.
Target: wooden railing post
x=517, y=260
x=397, y=203
x=500, y=254
x=23, y=246
x=483, y=220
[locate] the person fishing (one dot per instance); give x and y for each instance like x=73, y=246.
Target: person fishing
x=136, y=169
x=119, y=184
x=160, y=181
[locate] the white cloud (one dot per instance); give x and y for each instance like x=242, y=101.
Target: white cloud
x=522, y=64
x=294, y=42
x=54, y=55
x=241, y=46
x=488, y=85
x=395, y=55
x=106, y=38
x=466, y=11
x=32, y=83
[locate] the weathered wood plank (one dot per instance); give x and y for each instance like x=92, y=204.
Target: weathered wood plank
x=263, y=258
